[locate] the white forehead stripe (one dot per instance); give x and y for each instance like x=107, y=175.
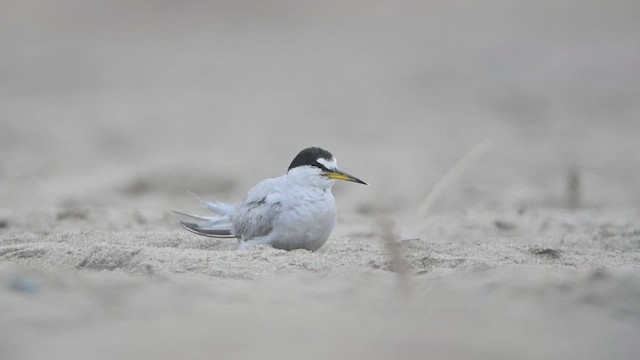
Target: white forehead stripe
x=329, y=164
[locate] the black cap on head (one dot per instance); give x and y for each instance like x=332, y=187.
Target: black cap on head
x=310, y=156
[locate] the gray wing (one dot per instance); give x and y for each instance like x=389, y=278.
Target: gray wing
x=255, y=216
x=198, y=229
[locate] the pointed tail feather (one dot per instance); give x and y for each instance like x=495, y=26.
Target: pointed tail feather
x=214, y=226
x=215, y=206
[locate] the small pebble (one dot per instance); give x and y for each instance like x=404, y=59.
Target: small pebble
x=504, y=225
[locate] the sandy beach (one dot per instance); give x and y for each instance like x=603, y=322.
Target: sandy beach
x=499, y=139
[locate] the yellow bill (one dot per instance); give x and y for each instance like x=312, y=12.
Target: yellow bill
x=341, y=175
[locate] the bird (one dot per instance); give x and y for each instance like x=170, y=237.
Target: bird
x=294, y=211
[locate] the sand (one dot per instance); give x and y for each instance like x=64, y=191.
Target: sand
x=527, y=247
x=472, y=289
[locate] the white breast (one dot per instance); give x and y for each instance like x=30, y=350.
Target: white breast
x=308, y=216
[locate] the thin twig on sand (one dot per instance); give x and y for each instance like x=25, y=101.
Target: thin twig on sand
x=393, y=247
x=452, y=175
x=574, y=188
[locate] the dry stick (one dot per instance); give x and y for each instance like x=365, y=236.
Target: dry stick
x=393, y=247
x=452, y=175
x=574, y=188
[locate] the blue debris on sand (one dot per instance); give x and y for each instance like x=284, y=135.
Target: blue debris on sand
x=24, y=285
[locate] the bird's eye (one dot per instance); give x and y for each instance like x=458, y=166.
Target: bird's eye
x=321, y=167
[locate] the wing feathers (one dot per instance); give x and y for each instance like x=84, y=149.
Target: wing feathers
x=197, y=217
x=196, y=229
x=212, y=226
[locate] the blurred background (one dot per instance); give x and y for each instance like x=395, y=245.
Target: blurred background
x=132, y=104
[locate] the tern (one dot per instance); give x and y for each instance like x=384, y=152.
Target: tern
x=293, y=211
